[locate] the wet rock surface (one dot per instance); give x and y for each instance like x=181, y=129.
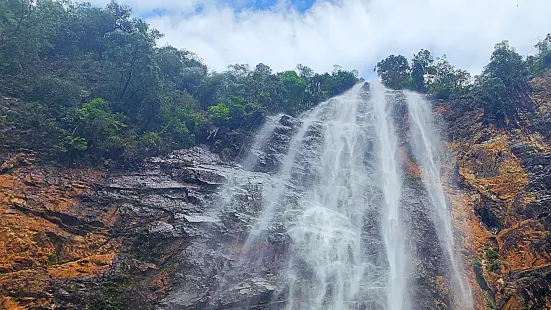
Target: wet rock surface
x=72, y=238
x=47, y=236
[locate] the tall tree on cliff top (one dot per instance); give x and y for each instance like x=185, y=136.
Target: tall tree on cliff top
x=421, y=67
x=506, y=64
x=394, y=71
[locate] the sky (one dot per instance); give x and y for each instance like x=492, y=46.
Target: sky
x=355, y=34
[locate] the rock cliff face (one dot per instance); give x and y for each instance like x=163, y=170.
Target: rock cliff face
x=169, y=235
x=503, y=178
x=47, y=232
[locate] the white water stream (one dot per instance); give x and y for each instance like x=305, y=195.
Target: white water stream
x=338, y=194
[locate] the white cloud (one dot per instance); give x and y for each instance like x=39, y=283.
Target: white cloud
x=352, y=33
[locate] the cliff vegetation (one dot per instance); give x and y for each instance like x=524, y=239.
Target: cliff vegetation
x=82, y=84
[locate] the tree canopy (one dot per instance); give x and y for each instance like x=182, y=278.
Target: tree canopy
x=93, y=85
x=504, y=76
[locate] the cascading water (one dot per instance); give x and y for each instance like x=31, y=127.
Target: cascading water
x=336, y=207
x=326, y=232
x=427, y=148
x=392, y=229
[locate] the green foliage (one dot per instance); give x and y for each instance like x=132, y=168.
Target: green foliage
x=493, y=259
x=12, y=15
x=542, y=60
x=151, y=143
x=425, y=74
x=493, y=93
x=506, y=64
x=422, y=65
x=341, y=80
x=502, y=79
x=293, y=87
x=57, y=56
x=58, y=94
x=446, y=81
x=28, y=125
x=97, y=123
x=394, y=71
x=220, y=114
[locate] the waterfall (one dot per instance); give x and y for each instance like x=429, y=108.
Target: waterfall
x=337, y=202
x=327, y=229
x=392, y=229
x=427, y=148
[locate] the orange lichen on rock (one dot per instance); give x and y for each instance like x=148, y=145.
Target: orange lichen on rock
x=43, y=231
x=87, y=266
x=496, y=184
x=472, y=238
x=492, y=167
x=536, y=141
x=518, y=246
x=512, y=304
x=443, y=109
x=10, y=303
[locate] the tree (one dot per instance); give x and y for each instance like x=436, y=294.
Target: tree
x=98, y=126
x=305, y=72
x=26, y=31
x=446, y=81
x=62, y=55
x=341, y=81
x=394, y=71
x=12, y=15
x=422, y=65
x=240, y=70
x=220, y=114
x=180, y=68
x=542, y=59
x=133, y=72
x=262, y=71
x=293, y=87
x=506, y=64
x=501, y=78
x=493, y=93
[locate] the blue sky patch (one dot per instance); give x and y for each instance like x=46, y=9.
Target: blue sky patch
x=300, y=5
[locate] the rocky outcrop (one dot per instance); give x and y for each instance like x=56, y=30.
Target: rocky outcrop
x=48, y=234
x=167, y=235
x=503, y=175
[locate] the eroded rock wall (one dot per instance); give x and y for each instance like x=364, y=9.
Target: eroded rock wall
x=502, y=191
x=48, y=235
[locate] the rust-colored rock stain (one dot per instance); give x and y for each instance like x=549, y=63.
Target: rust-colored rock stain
x=44, y=234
